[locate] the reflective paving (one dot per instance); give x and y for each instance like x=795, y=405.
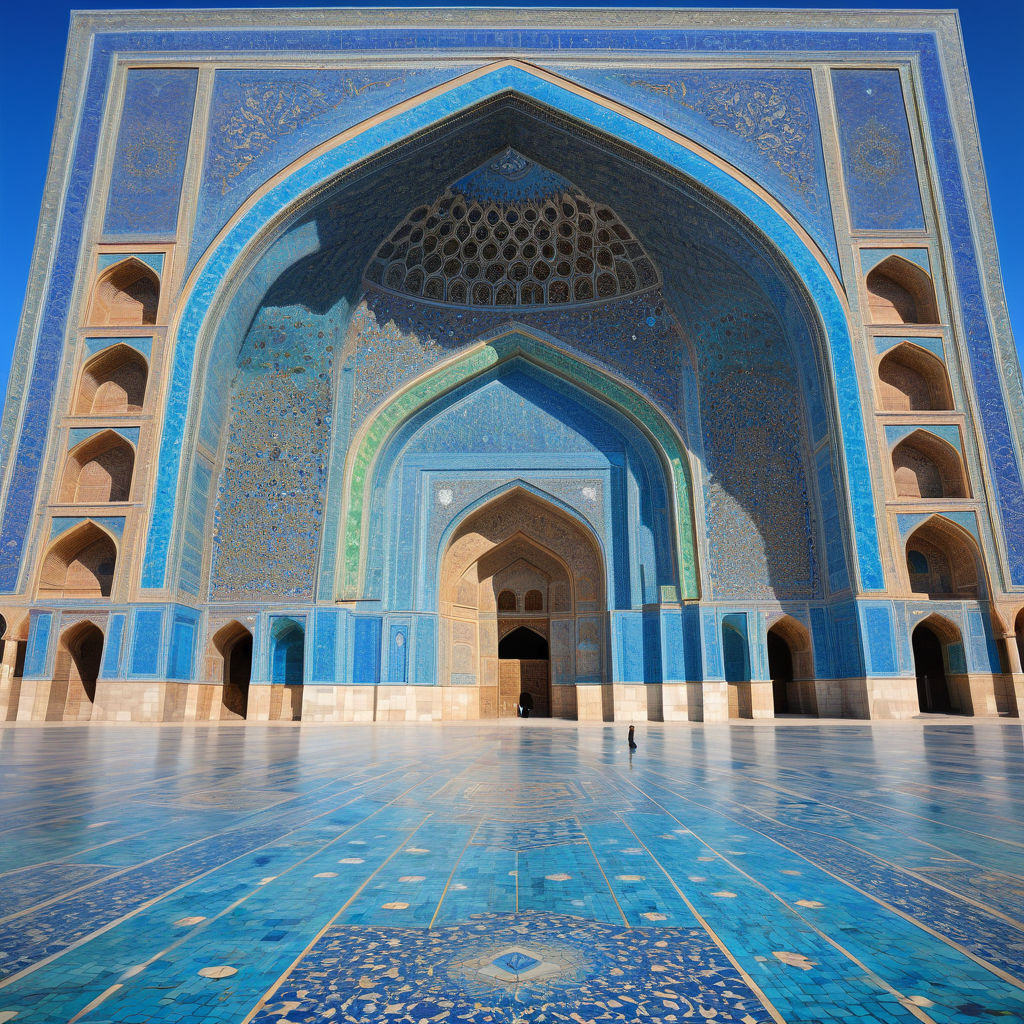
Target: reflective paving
x=515, y=872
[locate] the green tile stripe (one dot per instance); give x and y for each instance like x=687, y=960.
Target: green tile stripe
x=450, y=376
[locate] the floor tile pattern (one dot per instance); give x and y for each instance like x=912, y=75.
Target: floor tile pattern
x=512, y=872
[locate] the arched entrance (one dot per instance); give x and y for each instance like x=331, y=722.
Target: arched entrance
x=524, y=674
x=234, y=643
x=521, y=597
x=780, y=668
x=790, y=666
x=933, y=690
x=76, y=670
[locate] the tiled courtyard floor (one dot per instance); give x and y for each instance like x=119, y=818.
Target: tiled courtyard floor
x=519, y=871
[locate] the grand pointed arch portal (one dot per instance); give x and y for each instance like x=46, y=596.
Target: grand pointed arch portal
x=412, y=405
x=523, y=610
x=367, y=307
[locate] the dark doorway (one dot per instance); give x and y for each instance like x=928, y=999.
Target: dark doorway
x=86, y=652
x=523, y=644
x=73, y=691
x=237, y=673
x=780, y=668
x=523, y=674
x=932, y=685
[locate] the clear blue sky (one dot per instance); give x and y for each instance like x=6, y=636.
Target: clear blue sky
x=34, y=36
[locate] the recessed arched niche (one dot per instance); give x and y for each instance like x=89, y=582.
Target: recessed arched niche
x=76, y=669
x=233, y=646
x=80, y=564
x=126, y=295
x=925, y=466
x=912, y=379
x=943, y=562
x=113, y=383
x=99, y=470
x=900, y=292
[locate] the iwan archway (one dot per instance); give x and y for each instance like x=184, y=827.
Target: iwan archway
x=523, y=611
x=274, y=241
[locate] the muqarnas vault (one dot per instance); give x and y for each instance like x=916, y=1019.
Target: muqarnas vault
x=387, y=364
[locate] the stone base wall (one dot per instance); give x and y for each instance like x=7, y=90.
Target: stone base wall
x=893, y=698
x=10, y=697
x=975, y=694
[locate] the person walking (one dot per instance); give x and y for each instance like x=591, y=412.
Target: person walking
x=632, y=741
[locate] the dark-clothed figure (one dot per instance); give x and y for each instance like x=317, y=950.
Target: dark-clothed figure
x=525, y=704
x=632, y=741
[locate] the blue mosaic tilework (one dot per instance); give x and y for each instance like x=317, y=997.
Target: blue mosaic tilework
x=147, y=625
x=184, y=627
x=443, y=974
x=519, y=422
x=143, y=345
x=511, y=178
x=483, y=87
x=149, y=161
x=37, y=648
x=878, y=156
x=155, y=260
x=984, y=364
x=262, y=120
x=270, y=495
x=765, y=121
x=61, y=524
x=949, y=432
x=112, y=643
x=933, y=345
x=76, y=435
x=870, y=258
x=194, y=538
x=803, y=872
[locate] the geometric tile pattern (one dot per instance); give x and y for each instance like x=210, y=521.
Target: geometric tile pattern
x=527, y=871
x=595, y=972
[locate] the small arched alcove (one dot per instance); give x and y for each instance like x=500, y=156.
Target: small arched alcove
x=736, y=666
x=79, y=564
x=912, y=379
x=900, y=292
x=925, y=466
x=938, y=654
x=126, y=295
x=76, y=669
x=99, y=470
x=943, y=563
x=287, y=667
x=113, y=383
x=233, y=644
x=790, y=666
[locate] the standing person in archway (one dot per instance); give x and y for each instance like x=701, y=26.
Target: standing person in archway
x=525, y=704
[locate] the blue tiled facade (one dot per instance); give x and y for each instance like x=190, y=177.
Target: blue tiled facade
x=313, y=438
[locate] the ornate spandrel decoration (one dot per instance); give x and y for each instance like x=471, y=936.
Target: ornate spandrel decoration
x=776, y=120
x=149, y=161
x=270, y=111
x=764, y=121
x=877, y=151
x=877, y=155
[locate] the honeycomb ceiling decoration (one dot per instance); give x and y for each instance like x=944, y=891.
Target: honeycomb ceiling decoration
x=509, y=234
